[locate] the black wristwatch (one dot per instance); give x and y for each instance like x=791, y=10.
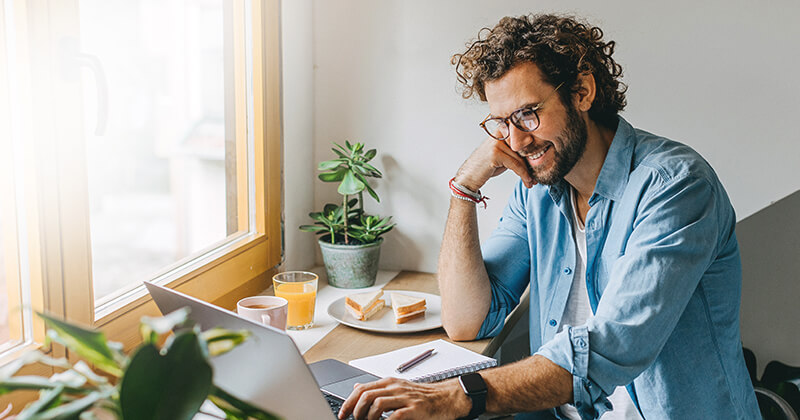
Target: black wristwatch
x=475, y=388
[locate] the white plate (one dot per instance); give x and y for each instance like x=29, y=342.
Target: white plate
x=384, y=320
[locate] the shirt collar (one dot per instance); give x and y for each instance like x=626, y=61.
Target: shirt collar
x=616, y=169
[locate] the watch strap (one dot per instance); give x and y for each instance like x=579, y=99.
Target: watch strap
x=478, y=398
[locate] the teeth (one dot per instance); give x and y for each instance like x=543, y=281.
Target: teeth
x=538, y=155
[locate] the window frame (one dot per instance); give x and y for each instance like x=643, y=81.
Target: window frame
x=60, y=267
x=242, y=267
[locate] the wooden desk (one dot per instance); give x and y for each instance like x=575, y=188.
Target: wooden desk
x=345, y=343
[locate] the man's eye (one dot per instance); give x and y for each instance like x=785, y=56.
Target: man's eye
x=526, y=113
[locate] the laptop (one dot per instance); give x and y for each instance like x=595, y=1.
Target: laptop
x=267, y=370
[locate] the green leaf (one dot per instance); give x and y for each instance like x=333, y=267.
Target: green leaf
x=368, y=188
x=776, y=372
x=340, y=154
x=345, y=152
x=151, y=327
x=35, y=383
x=222, y=340
x=375, y=173
x=91, y=345
x=320, y=218
x=334, y=176
x=73, y=409
x=169, y=387
x=69, y=378
x=313, y=228
x=242, y=409
x=350, y=184
x=330, y=208
x=46, y=400
x=330, y=164
x=84, y=369
x=370, y=154
x=34, y=356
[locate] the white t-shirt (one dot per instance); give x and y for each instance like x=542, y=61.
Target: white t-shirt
x=577, y=311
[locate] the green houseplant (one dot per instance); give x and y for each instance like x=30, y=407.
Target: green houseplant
x=168, y=382
x=778, y=390
x=350, y=238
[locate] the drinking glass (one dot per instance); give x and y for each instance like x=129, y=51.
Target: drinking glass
x=300, y=289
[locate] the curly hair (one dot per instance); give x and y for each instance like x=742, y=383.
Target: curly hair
x=561, y=46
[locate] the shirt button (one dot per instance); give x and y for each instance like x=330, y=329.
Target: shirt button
x=567, y=271
x=553, y=322
x=581, y=343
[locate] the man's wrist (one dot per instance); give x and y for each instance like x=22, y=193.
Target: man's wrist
x=460, y=402
x=467, y=183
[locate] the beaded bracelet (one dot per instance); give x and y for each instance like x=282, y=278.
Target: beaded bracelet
x=463, y=193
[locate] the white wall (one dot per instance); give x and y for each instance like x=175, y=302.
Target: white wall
x=298, y=132
x=717, y=75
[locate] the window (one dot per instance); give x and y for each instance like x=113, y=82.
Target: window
x=140, y=141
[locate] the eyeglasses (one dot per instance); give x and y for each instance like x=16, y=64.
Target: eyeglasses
x=525, y=118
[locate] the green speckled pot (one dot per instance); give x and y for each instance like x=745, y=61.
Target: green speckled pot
x=351, y=266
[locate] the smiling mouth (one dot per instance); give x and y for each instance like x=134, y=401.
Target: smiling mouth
x=533, y=156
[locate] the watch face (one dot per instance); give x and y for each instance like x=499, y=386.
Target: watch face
x=472, y=383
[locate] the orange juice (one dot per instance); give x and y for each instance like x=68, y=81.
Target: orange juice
x=301, y=297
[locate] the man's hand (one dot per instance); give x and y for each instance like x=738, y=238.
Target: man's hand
x=490, y=159
x=409, y=400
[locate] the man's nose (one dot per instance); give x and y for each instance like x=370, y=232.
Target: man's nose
x=517, y=139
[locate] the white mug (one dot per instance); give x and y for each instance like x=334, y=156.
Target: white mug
x=267, y=310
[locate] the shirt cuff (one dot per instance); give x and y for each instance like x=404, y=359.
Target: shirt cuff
x=570, y=350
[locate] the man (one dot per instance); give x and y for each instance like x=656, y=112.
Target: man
x=626, y=240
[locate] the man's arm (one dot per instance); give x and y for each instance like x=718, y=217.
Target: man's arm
x=531, y=384
x=463, y=281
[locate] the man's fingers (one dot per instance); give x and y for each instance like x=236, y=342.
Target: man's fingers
x=382, y=404
x=365, y=402
x=516, y=163
x=361, y=398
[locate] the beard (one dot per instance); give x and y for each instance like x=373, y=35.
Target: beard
x=573, y=144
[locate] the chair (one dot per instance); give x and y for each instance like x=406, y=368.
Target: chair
x=773, y=407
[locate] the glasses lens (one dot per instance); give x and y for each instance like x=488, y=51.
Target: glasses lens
x=525, y=119
x=496, y=128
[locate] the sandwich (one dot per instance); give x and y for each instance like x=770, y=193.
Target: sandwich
x=364, y=305
x=407, y=307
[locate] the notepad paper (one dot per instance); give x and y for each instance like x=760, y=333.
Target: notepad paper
x=448, y=360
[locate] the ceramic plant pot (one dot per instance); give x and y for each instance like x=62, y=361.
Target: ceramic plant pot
x=351, y=266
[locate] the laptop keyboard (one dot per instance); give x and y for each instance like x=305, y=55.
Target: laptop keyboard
x=336, y=404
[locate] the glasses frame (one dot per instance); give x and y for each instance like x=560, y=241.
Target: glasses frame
x=505, y=120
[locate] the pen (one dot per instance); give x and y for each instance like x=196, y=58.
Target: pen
x=413, y=362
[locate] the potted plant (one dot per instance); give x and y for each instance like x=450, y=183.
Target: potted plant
x=170, y=381
x=778, y=390
x=350, y=239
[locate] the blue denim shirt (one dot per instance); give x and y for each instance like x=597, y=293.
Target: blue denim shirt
x=663, y=275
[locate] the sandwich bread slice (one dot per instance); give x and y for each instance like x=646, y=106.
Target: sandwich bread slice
x=364, y=305
x=407, y=307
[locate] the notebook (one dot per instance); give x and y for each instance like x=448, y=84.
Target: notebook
x=447, y=361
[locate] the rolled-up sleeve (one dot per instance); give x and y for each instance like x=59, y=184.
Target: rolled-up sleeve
x=506, y=256
x=673, y=240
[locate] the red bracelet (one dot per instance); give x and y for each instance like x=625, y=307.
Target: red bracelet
x=463, y=193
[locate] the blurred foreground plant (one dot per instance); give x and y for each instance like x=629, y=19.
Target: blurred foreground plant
x=170, y=382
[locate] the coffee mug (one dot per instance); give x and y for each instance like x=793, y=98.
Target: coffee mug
x=267, y=310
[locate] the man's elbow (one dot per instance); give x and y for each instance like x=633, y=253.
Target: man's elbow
x=461, y=332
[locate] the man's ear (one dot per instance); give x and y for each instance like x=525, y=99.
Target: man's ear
x=585, y=91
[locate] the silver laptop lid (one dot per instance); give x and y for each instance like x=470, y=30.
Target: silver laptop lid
x=266, y=370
